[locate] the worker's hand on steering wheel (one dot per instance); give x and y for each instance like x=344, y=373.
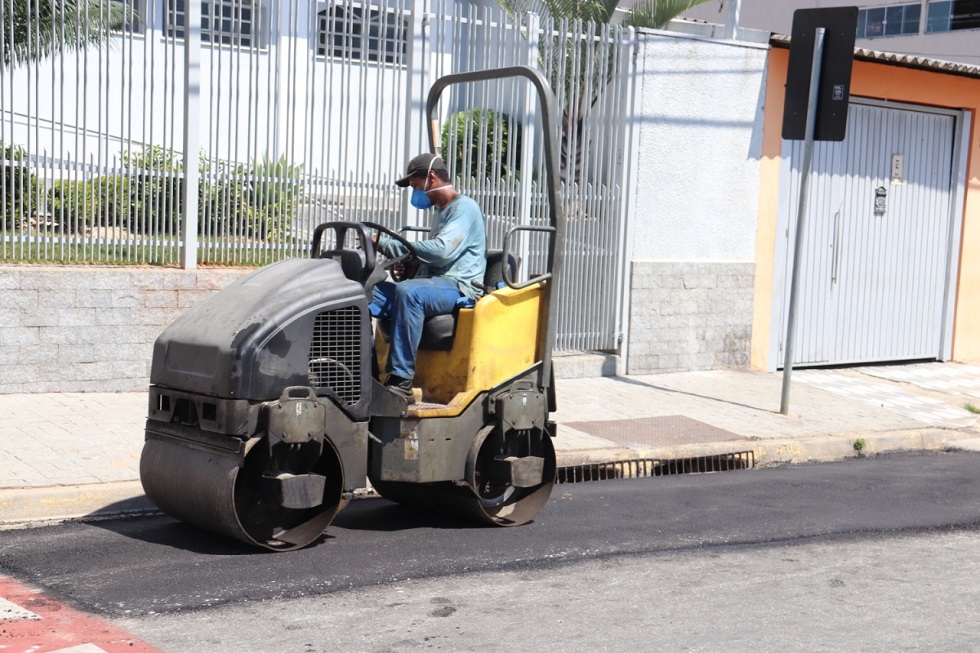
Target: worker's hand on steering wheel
x=404, y=270
x=407, y=261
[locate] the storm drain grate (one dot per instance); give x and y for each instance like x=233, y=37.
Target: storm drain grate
x=646, y=467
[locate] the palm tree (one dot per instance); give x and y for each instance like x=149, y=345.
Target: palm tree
x=643, y=13
x=34, y=29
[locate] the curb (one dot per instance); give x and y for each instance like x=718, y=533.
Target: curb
x=42, y=506
x=793, y=451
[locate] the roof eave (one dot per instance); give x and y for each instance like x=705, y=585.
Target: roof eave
x=900, y=60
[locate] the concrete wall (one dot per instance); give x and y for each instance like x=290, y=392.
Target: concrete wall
x=90, y=329
x=697, y=199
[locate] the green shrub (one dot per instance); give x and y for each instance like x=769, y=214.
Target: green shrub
x=115, y=200
x=75, y=205
x=152, y=201
x=275, y=190
x=221, y=201
x=476, y=146
x=256, y=201
x=18, y=185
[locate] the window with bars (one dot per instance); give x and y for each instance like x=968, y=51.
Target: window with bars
x=223, y=22
x=135, y=12
x=893, y=20
x=357, y=33
x=948, y=16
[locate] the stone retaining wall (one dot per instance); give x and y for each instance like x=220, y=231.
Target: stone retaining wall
x=91, y=329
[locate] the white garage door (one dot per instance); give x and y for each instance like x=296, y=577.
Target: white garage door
x=880, y=234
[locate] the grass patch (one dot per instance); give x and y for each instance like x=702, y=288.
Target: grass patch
x=972, y=408
x=209, y=253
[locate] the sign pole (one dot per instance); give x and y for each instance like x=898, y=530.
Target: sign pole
x=811, y=123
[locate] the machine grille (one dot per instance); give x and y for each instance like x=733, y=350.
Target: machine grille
x=335, y=353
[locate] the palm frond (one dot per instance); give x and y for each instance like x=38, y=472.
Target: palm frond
x=34, y=29
x=657, y=13
x=589, y=11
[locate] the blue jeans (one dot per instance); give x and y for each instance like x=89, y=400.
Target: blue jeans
x=407, y=304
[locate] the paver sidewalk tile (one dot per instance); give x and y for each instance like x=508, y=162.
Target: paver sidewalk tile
x=923, y=409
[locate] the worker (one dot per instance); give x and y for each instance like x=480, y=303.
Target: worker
x=452, y=260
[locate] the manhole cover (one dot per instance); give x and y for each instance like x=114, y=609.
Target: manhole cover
x=663, y=431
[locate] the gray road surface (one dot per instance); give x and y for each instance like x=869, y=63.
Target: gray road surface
x=875, y=555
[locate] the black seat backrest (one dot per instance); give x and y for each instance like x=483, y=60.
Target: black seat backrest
x=495, y=268
x=351, y=262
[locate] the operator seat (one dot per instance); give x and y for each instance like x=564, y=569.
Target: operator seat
x=439, y=331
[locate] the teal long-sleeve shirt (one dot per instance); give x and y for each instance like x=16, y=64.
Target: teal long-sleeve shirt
x=456, y=246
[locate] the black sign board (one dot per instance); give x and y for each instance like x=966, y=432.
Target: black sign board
x=840, y=25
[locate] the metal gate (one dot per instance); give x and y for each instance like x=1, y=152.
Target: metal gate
x=287, y=113
x=881, y=238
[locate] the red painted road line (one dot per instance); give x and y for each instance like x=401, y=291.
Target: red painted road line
x=60, y=626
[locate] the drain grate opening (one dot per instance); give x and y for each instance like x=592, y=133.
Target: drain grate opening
x=646, y=467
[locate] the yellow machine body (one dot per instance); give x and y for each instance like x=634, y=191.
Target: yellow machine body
x=495, y=340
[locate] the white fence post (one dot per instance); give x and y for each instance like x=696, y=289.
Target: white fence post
x=415, y=90
x=192, y=97
x=627, y=211
x=731, y=21
x=529, y=137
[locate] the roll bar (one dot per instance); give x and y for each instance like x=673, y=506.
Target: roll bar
x=556, y=215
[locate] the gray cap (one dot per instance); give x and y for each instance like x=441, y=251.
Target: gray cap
x=420, y=166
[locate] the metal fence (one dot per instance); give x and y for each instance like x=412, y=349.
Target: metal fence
x=222, y=132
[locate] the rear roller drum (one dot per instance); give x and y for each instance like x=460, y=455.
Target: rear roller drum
x=508, y=480
x=511, y=475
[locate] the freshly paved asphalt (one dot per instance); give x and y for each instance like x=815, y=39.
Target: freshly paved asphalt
x=158, y=565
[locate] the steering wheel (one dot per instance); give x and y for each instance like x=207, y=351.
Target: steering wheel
x=410, y=254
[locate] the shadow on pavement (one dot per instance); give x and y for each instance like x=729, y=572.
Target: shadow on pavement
x=643, y=384
x=165, y=531
x=382, y=515
x=369, y=514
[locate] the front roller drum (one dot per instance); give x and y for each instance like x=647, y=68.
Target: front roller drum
x=276, y=498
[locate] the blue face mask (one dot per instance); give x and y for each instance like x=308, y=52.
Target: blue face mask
x=420, y=199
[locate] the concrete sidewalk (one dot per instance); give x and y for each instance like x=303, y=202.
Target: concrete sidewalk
x=66, y=456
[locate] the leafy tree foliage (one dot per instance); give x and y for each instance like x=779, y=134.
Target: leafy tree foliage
x=586, y=90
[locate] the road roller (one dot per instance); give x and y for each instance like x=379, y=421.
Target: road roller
x=266, y=413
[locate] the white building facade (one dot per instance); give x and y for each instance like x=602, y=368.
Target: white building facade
x=947, y=30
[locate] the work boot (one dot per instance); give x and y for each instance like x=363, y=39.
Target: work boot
x=401, y=388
